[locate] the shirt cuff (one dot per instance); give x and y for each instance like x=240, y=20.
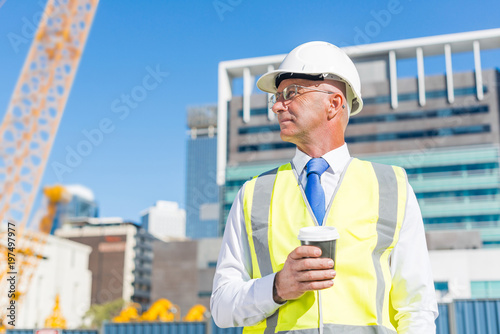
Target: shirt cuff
x=264, y=294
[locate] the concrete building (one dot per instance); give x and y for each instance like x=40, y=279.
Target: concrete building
x=202, y=191
x=64, y=271
x=443, y=128
x=183, y=271
x=464, y=274
x=120, y=261
x=164, y=220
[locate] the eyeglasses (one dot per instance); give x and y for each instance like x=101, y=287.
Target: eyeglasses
x=291, y=91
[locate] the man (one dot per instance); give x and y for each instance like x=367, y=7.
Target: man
x=381, y=280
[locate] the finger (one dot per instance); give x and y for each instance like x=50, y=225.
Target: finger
x=316, y=285
x=316, y=275
x=305, y=251
x=313, y=264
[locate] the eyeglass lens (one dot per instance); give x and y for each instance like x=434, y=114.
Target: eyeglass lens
x=287, y=93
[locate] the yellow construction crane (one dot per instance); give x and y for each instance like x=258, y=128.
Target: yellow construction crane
x=197, y=313
x=30, y=125
x=29, y=252
x=129, y=313
x=161, y=310
x=56, y=319
x=55, y=195
x=37, y=104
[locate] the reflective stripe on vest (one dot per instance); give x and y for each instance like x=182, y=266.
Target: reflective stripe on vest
x=260, y=214
x=367, y=209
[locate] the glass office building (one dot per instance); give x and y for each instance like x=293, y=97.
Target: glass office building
x=202, y=192
x=456, y=188
x=443, y=129
x=81, y=205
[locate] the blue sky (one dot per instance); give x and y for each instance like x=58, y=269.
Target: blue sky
x=142, y=159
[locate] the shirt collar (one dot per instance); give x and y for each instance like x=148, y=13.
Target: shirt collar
x=336, y=158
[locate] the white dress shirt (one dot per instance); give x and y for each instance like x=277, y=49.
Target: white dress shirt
x=237, y=300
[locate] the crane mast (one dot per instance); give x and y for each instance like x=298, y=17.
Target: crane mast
x=30, y=125
x=37, y=104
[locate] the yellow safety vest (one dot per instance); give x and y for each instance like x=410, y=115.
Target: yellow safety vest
x=367, y=208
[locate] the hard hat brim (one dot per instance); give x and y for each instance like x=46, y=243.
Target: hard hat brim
x=267, y=82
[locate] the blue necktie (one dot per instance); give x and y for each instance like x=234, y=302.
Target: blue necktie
x=314, y=191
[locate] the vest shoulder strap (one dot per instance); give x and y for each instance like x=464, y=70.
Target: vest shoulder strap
x=257, y=202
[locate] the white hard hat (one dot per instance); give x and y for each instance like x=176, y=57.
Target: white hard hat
x=317, y=61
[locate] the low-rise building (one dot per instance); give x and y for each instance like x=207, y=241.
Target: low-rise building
x=63, y=270
x=121, y=258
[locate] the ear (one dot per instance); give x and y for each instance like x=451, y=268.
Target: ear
x=337, y=105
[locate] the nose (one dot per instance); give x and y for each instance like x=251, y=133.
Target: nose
x=278, y=106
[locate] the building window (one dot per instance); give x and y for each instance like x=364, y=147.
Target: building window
x=420, y=114
x=442, y=132
x=259, y=129
x=433, y=94
x=265, y=147
x=441, y=286
x=145, y=221
x=458, y=169
x=202, y=294
x=485, y=289
x=254, y=112
x=236, y=183
x=486, y=220
x=491, y=244
x=459, y=193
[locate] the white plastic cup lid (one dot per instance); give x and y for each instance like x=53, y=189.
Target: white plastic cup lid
x=318, y=233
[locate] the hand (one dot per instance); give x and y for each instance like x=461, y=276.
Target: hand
x=303, y=271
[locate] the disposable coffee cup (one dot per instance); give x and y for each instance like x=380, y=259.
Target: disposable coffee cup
x=324, y=237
